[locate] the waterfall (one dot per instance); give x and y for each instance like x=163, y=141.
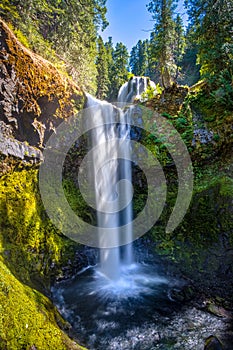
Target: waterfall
x=110, y=166
x=133, y=89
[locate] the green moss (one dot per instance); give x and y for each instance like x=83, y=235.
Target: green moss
x=32, y=253
x=8, y=10
x=76, y=201
x=214, y=117
x=27, y=318
x=30, y=243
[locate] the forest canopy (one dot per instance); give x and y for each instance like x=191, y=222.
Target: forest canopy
x=68, y=33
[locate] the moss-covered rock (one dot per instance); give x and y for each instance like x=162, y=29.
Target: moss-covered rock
x=170, y=101
x=34, y=96
x=31, y=246
x=28, y=320
x=202, y=245
x=34, y=99
x=205, y=126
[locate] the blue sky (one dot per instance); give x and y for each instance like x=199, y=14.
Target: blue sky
x=130, y=21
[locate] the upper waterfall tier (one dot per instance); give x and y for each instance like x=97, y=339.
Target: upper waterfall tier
x=134, y=89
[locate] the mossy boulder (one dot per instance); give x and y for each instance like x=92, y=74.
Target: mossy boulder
x=204, y=125
x=33, y=254
x=28, y=319
x=32, y=247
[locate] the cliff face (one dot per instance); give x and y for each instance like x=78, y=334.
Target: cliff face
x=202, y=244
x=204, y=125
x=34, y=99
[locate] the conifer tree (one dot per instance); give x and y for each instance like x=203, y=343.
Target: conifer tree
x=120, y=69
x=139, y=58
x=65, y=29
x=109, y=51
x=179, y=45
x=162, y=42
x=211, y=22
x=102, y=70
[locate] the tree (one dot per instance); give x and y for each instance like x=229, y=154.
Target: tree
x=109, y=51
x=102, y=70
x=133, y=61
x=179, y=44
x=62, y=28
x=139, y=58
x=211, y=22
x=120, y=69
x=190, y=70
x=162, y=42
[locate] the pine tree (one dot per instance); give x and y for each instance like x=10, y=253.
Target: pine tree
x=139, y=58
x=109, y=51
x=179, y=45
x=212, y=31
x=65, y=29
x=144, y=58
x=134, y=61
x=120, y=69
x=102, y=70
x=190, y=69
x=211, y=22
x=162, y=42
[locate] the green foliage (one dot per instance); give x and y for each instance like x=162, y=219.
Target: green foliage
x=62, y=31
x=8, y=9
x=159, y=89
x=149, y=93
x=211, y=31
x=102, y=65
x=214, y=116
x=163, y=38
x=118, y=68
x=223, y=95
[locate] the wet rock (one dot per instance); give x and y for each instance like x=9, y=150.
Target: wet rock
x=212, y=343
x=81, y=261
x=182, y=295
x=218, y=311
x=12, y=147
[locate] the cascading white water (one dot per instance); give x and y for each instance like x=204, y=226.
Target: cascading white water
x=134, y=89
x=109, y=170
x=113, y=305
